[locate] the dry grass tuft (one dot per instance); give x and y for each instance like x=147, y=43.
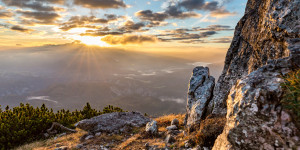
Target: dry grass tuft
x=129, y=142
x=70, y=140
x=291, y=97
x=210, y=129
x=166, y=120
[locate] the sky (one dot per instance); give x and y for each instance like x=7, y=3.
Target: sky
x=120, y=23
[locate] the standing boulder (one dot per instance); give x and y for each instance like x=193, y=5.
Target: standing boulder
x=175, y=122
x=199, y=95
x=151, y=127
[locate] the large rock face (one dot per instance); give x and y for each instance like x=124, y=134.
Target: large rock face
x=266, y=45
x=269, y=30
x=113, y=122
x=199, y=94
x=255, y=119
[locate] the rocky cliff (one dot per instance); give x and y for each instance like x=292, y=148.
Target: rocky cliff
x=266, y=45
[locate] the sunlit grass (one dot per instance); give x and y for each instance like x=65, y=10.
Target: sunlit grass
x=291, y=98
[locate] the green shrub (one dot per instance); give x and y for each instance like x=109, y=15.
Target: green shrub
x=25, y=123
x=291, y=98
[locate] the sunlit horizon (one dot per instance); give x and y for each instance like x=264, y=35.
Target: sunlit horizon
x=119, y=23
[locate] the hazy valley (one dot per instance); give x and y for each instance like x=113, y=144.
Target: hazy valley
x=68, y=76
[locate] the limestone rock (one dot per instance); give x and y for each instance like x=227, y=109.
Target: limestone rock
x=89, y=137
x=62, y=148
x=98, y=134
x=175, y=122
x=58, y=145
x=268, y=31
x=151, y=127
x=199, y=94
x=170, y=139
x=172, y=127
x=113, y=122
x=266, y=45
x=79, y=146
x=255, y=119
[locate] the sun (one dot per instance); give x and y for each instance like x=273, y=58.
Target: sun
x=91, y=40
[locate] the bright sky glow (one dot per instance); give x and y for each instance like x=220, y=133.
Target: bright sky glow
x=154, y=23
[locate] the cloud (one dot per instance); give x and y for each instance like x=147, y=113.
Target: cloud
x=101, y=32
x=151, y=16
x=185, y=37
x=126, y=27
x=198, y=5
x=183, y=9
x=176, y=12
x=53, y=1
x=38, y=17
x=170, y=13
x=103, y=4
x=214, y=28
x=129, y=39
x=156, y=24
x=33, y=4
x=130, y=26
x=88, y=21
x=20, y=29
x=6, y=14
x=222, y=13
x=193, y=35
x=222, y=40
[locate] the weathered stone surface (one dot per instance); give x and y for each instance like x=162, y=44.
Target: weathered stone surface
x=62, y=148
x=175, y=122
x=255, y=119
x=172, y=127
x=79, y=146
x=170, y=139
x=269, y=30
x=199, y=94
x=113, y=122
x=89, y=137
x=151, y=127
x=266, y=45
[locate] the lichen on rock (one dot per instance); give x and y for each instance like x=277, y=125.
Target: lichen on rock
x=265, y=46
x=199, y=94
x=113, y=122
x=255, y=119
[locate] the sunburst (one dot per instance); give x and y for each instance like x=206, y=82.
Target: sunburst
x=91, y=40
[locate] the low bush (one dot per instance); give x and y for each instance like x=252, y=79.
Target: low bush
x=25, y=123
x=291, y=97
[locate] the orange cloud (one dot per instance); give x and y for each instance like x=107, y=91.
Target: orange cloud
x=129, y=39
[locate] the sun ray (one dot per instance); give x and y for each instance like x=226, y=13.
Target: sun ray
x=91, y=40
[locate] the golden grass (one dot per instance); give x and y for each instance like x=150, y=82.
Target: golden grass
x=166, y=120
x=291, y=97
x=128, y=142
x=209, y=130
x=137, y=141
x=70, y=140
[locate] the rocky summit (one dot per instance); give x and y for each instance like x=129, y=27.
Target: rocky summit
x=269, y=30
x=242, y=110
x=265, y=47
